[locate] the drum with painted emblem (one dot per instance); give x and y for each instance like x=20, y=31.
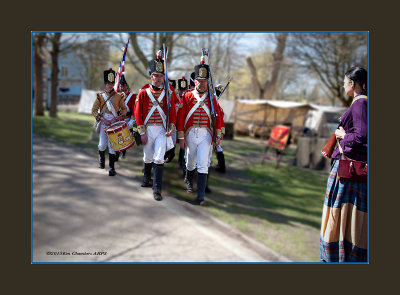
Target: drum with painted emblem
x=119, y=136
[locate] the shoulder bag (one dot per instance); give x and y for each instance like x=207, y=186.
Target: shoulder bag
x=351, y=170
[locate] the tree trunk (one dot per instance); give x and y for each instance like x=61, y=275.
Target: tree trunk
x=254, y=78
x=270, y=86
x=39, y=75
x=54, y=73
x=268, y=89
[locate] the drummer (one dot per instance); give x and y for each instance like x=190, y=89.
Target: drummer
x=105, y=108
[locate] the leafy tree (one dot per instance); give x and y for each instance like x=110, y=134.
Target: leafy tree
x=328, y=56
x=94, y=56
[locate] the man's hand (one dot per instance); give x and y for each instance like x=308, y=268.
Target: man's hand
x=182, y=143
x=130, y=123
x=143, y=138
x=106, y=122
x=169, y=133
x=217, y=141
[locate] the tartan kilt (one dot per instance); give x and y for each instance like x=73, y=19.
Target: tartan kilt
x=344, y=226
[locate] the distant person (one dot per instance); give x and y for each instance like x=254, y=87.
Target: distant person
x=345, y=213
x=182, y=88
x=219, y=152
x=105, y=108
x=129, y=99
x=221, y=167
x=170, y=154
x=191, y=87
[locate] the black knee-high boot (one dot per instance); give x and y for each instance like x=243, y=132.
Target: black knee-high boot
x=170, y=156
x=181, y=158
x=221, y=162
x=157, y=183
x=102, y=159
x=208, y=190
x=147, y=175
x=189, y=180
x=201, y=187
x=111, y=161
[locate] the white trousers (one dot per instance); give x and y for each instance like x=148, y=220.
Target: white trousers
x=103, y=139
x=198, y=150
x=154, y=149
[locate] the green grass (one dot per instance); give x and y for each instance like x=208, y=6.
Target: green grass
x=69, y=127
x=280, y=207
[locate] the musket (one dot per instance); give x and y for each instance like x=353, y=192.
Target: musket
x=211, y=94
x=166, y=87
x=224, y=88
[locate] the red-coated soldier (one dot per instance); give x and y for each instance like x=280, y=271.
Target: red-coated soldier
x=150, y=115
x=195, y=129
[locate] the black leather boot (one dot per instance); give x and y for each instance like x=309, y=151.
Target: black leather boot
x=111, y=161
x=208, y=190
x=170, y=155
x=147, y=175
x=201, y=187
x=189, y=180
x=123, y=154
x=184, y=174
x=116, y=156
x=157, y=183
x=102, y=159
x=181, y=158
x=221, y=162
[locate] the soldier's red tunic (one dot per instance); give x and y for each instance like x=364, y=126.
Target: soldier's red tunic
x=199, y=118
x=143, y=105
x=130, y=104
x=222, y=119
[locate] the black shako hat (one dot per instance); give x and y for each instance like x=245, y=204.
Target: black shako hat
x=218, y=89
x=173, y=83
x=182, y=83
x=109, y=76
x=202, y=71
x=156, y=66
x=192, y=79
x=122, y=80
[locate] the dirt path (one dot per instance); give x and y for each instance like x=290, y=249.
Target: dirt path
x=80, y=214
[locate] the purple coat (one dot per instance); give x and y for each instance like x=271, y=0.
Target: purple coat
x=355, y=124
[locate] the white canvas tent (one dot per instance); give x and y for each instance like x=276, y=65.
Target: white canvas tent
x=322, y=120
x=258, y=117
x=228, y=107
x=86, y=101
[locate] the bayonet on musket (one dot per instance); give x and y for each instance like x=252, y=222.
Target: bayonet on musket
x=222, y=92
